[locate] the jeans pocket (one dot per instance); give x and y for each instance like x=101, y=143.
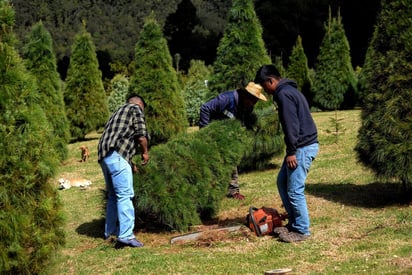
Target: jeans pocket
x=309, y=158
x=113, y=164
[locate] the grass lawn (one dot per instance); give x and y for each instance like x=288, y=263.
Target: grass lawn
x=358, y=225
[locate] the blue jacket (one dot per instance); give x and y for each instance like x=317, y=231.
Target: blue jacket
x=295, y=117
x=224, y=106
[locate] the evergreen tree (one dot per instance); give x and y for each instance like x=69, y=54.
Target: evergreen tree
x=298, y=70
x=155, y=79
x=187, y=176
x=30, y=218
x=84, y=95
x=335, y=82
x=41, y=62
x=195, y=90
x=385, y=137
x=119, y=86
x=241, y=50
x=267, y=141
x=278, y=62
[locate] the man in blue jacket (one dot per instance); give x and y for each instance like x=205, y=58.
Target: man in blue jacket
x=237, y=104
x=302, y=146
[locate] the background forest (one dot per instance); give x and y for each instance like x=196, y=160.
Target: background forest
x=193, y=28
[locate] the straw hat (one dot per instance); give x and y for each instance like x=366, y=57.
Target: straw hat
x=256, y=90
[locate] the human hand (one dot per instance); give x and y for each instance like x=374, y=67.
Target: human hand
x=145, y=158
x=291, y=162
x=135, y=169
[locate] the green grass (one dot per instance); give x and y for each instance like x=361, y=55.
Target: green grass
x=358, y=224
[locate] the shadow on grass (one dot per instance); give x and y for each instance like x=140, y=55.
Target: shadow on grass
x=93, y=229
x=153, y=227
x=263, y=168
x=373, y=195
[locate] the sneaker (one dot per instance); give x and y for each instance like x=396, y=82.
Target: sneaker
x=130, y=242
x=280, y=230
x=292, y=237
x=237, y=196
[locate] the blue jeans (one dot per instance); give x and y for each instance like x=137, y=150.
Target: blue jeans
x=119, y=186
x=291, y=187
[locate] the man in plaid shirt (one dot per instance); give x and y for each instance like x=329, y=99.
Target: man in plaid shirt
x=123, y=134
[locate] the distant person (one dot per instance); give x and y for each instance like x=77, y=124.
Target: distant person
x=302, y=146
x=237, y=104
x=123, y=134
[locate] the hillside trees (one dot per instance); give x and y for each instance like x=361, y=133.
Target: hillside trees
x=84, y=95
x=115, y=25
x=385, y=137
x=187, y=36
x=334, y=84
x=64, y=19
x=241, y=50
x=31, y=223
x=155, y=79
x=213, y=13
x=41, y=62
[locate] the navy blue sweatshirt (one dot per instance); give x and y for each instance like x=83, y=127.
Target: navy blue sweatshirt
x=295, y=117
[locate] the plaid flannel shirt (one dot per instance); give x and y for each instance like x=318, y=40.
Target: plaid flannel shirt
x=122, y=131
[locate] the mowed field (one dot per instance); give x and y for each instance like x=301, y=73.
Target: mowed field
x=358, y=224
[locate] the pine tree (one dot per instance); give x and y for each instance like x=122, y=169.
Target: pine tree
x=195, y=90
x=30, y=218
x=187, y=177
x=41, y=62
x=241, y=50
x=156, y=81
x=278, y=62
x=267, y=141
x=385, y=137
x=298, y=70
x=335, y=82
x=84, y=95
x=119, y=86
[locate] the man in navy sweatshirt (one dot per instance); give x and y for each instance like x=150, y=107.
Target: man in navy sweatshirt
x=302, y=146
